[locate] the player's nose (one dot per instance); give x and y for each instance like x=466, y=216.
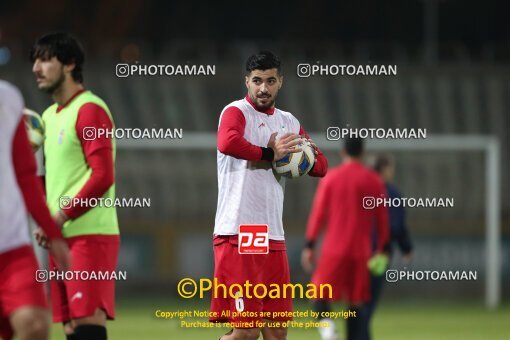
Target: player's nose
x=37, y=66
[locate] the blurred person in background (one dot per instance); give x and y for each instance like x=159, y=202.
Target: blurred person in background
x=40, y=252
x=79, y=167
x=384, y=165
x=23, y=305
x=339, y=208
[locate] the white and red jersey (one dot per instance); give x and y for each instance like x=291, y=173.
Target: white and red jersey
x=249, y=192
x=13, y=216
x=20, y=189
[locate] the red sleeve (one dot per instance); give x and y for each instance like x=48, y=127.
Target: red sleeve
x=320, y=167
x=382, y=217
x=31, y=187
x=99, y=156
x=92, y=115
x=231, y=139
x=318, y=212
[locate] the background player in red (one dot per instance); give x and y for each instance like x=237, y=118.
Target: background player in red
x=339, y=206
x=23, y=306
x=78, y=167
x=252, y=133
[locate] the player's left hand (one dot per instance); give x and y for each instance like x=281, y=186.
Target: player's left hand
x=307, y=257
x=60, y=252
x=314, y=146
x=408, y=258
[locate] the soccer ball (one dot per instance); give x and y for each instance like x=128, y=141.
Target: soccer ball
x=35, y=128
x=297, y=164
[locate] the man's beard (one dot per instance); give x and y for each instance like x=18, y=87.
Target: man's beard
x=55, y=86
x=266, y=106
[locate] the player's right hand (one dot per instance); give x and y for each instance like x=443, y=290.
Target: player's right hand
x=307, y=260
x=284, y=145
x=408, y=258
x=41, y=238
x=60, y=251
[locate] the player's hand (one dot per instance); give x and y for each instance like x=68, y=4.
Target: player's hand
x=284, y=145
x=41, y=238
x=314, y=146
x=408, y=258
x=307, y=258
x=60, y=218
x=60, y=251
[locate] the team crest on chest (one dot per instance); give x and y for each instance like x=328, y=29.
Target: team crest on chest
x=61, y=136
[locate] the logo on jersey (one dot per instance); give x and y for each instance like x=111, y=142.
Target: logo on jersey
x=262, y=125
x=77, y=295
x=253, y=239
x=61, y=136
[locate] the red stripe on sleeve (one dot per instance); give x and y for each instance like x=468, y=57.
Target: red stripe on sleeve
x=93, y=116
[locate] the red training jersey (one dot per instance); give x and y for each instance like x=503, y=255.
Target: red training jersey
x=231, y=141
x=338, y=205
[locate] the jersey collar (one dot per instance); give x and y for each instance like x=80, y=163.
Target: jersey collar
x=268, y=111
x=61, y=107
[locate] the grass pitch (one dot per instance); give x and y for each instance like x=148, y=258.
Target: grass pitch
x=406, y=321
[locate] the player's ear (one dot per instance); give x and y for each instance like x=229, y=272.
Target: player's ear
x=247, y=80
x=69, y=68
x=281, y=82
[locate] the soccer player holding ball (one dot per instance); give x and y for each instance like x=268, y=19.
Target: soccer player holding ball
x=347, y=247
x=78, y=167
x=252, y=134
x=23, y=305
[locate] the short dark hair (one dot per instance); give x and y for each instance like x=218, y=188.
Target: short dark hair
x=65, y=47
x=354, y=146
x=382, y=162
x=264, y=60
